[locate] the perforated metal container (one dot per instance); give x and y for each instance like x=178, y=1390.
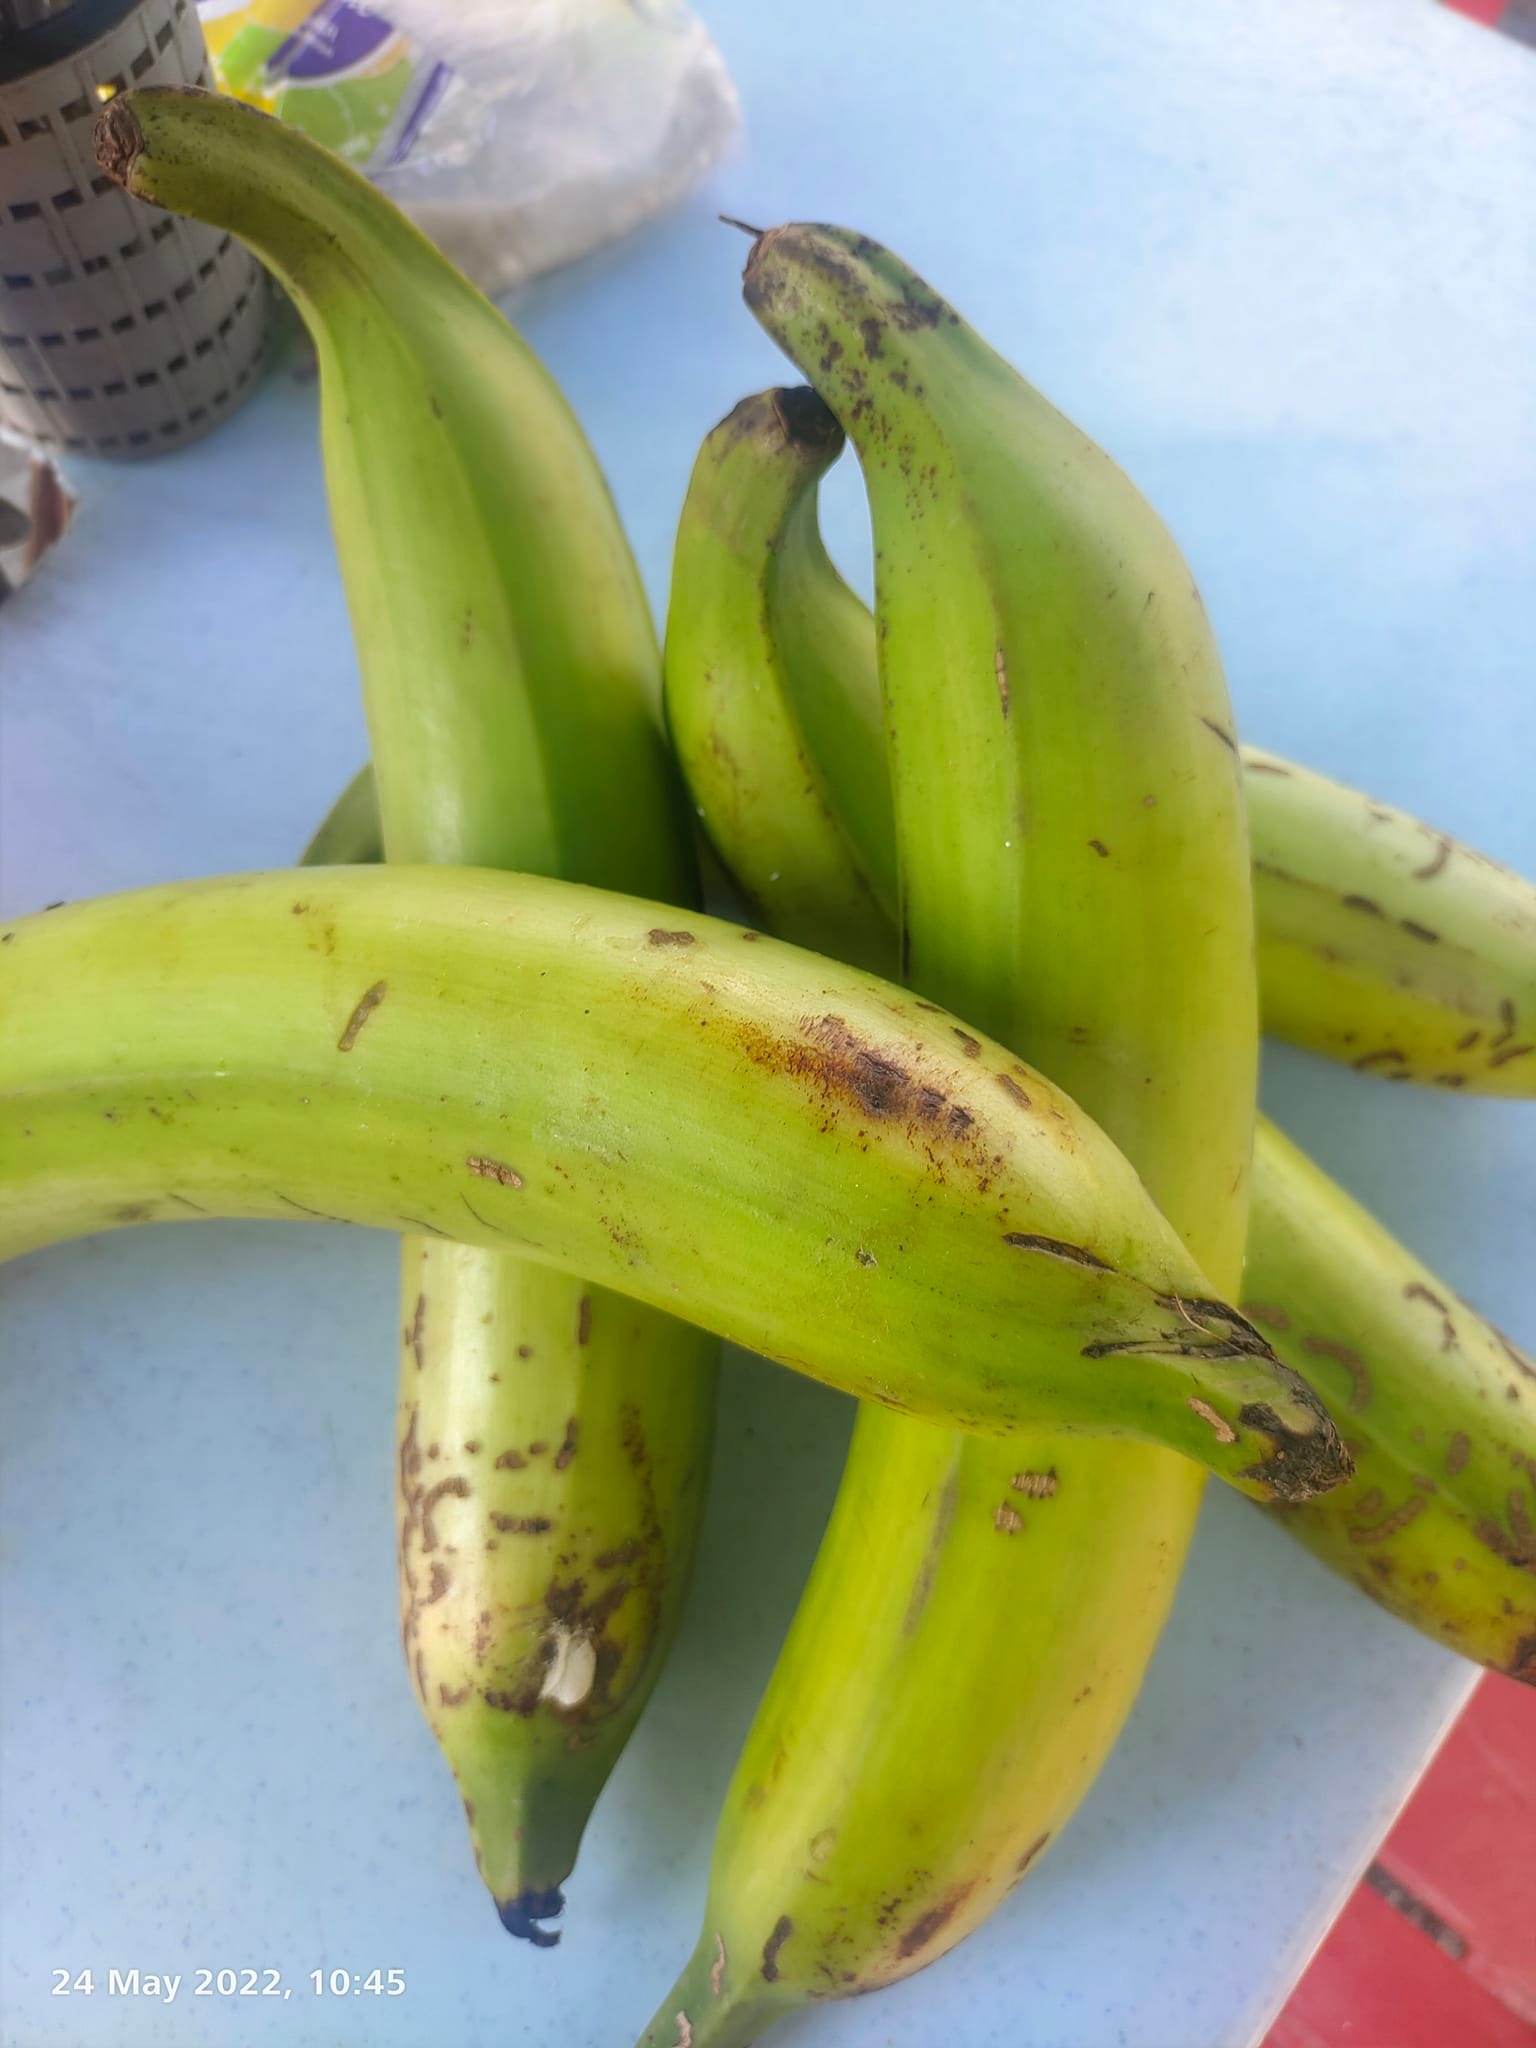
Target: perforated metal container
x=124, y=331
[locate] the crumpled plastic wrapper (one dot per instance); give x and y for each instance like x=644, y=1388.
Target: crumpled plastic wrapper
x=519, y=137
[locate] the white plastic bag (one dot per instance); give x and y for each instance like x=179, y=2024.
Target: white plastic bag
x=519, y=134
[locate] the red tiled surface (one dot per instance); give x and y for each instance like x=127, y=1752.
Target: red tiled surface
x=1438, y=1948
x=1487, y=11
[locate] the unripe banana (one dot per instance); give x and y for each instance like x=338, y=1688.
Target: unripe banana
x=1072, y=870
x=1386, y=944
x=510, y=675
x=1437, y=1522
x=766, y=789
x=781, y=1149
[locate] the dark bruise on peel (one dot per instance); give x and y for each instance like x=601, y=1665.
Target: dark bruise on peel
x=874, y=1082
x=784, y=1927
x=806, y=421
x=521, y=1916
x=933, y=1922
x=1300, y=1465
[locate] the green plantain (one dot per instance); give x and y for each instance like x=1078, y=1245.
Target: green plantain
x=1440, y=1406
x=510, y=676
x=1072, y=874
x=781, y=1149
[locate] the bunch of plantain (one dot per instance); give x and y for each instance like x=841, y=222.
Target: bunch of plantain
x=998, y=531
x=962, y=1121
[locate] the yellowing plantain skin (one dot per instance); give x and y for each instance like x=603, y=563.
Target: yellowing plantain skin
x=1386, y=944
x=510, y=676
x=1440, y=1407
x=1073, y=872
x=683, y=1110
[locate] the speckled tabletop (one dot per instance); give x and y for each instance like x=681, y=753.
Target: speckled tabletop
x=1278, y=260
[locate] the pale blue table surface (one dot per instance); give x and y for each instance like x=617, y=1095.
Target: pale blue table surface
x=1279, y=259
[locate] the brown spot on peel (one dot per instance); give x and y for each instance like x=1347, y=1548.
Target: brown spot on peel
x=367, y=1003
x=784, y=1927
x=923, y=1929
x=1008, y=1520
x=657, y=937
x=1054, y=1247
x=1432, y=867
x=493, y=1169
x=1267, y=1313
x=1399, y=1518
x=458, y=1487
x=1352, y=1362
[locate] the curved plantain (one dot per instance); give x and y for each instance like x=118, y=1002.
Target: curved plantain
x=1386, y=944
x=510, y=673
x=1040, y=715
x=685, y=1111
x=1440, y=1407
